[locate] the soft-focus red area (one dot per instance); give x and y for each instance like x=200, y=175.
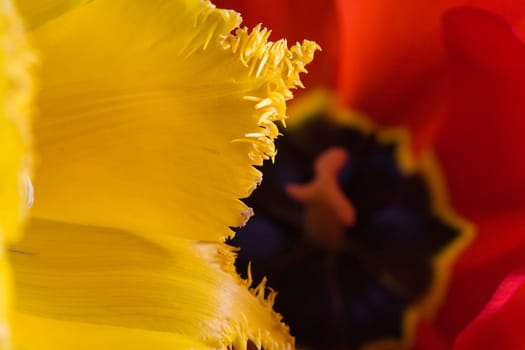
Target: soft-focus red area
x=497, y=235
x=500, y=325
x=482, y=141
x=297, y=20
x=498, y=248
x=393, y=66
x=470, y=291
x=480, y=147
x=428, y=337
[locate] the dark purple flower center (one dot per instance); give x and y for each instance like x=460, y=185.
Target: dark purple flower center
x=347, y=237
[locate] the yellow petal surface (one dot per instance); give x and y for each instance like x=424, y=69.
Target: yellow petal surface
x=109, y=277
x=38, y=12
x=5, y=301
x=152, y=114
x=15, y=92
x=48, y=334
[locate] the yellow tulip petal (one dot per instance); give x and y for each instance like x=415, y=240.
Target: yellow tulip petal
x=110, y=277
x=15, y=92
x=38, y=12
x=153, y=113
x=38, y=333
x=5, y=301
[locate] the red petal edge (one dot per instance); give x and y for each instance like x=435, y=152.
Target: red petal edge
x=500, y=324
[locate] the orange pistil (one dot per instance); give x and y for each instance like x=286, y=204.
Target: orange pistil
x=328, y=211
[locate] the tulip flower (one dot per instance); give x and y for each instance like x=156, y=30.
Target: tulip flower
x=412, y=81
x=150, y=117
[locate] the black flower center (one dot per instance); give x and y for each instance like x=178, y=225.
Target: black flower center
x=350, y=240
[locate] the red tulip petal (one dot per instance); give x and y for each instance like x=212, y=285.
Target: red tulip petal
x=497, y=236
x=471, y=290
x=387, y=49
x=392, y=64
x=500, y=325
x=297, y=20
x=480, y=148
x=498, y=248
x=483, y=140
x=391, y=59
x=428, y=337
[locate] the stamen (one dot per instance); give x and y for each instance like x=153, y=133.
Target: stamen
x=328, y=210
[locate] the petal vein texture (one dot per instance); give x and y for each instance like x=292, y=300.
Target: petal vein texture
x=152, y=116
